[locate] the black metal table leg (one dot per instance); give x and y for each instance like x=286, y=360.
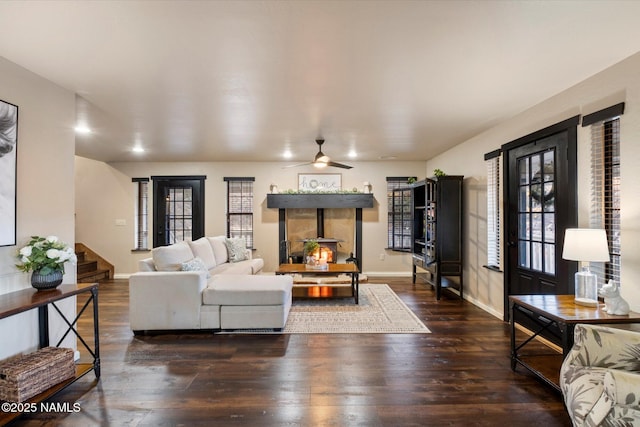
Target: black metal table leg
x=96, y=333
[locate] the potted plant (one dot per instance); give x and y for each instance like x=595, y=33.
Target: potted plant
x=310, y=246
x=45, y=257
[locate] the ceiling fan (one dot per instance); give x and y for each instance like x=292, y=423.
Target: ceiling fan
x=321, y=160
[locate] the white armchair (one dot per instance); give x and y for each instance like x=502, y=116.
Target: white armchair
x=600, y=377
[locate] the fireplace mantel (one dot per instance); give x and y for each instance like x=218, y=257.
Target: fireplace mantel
x=321, y=200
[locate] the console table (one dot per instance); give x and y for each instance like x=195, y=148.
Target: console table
x=27, y=299
x=559, y=312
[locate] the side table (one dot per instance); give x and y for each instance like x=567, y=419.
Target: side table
x=28, y=299
x=558, y=311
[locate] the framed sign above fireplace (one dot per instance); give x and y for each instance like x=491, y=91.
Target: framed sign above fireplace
x=319, y=182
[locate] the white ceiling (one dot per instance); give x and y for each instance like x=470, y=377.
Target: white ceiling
x=246, y=80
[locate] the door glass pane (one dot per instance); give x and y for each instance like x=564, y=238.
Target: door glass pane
x=536, y=174
x=523, y=168
x=536, y=227
x=523, y=199
x=524, y=256
x=523, y=227
x=536, y=256
x=549, y=165
x=549, y=259
x=536, y=198
x=549, y=227
x=549, y=197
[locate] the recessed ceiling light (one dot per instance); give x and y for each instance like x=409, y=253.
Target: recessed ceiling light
x=82, y=129
x=287, y=154
x=138, y=149
x=352, y=154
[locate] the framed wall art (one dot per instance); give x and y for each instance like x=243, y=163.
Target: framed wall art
x=319, y=182
x=8, y=169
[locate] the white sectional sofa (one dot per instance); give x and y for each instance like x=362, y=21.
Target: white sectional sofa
x=208, y=283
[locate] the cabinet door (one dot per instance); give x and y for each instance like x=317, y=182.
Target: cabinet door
x=449, y=220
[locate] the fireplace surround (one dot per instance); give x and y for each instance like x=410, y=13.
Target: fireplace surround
x=319, y=201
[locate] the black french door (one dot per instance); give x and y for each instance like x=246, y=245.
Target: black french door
x=178, y=209
x=541, y=197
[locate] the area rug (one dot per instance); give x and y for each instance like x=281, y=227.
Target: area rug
x=380, y=311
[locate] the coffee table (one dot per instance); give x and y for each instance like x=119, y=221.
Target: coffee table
x=560, y=313
x=332, y=270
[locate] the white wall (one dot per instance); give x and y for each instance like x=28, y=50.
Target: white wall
x=616, y=84
x=45, y=190
x=100, y=205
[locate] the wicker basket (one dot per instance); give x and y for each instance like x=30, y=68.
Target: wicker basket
x=25, y=376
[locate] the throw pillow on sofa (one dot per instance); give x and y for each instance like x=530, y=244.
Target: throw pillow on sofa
x=237, y=248
x=202, y=249
x=170, y=258
x=195, y=264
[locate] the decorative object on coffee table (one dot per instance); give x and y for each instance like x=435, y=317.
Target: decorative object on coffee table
x=310, y=246
x=45, y=257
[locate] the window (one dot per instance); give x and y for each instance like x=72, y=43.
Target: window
x=141, y=241
x=396, y=209
x=492, y=161
x=240, y=208
x=605, y=185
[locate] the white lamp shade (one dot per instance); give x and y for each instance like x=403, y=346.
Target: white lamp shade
x=585, y=244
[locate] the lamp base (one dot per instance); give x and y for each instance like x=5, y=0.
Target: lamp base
x=586, y=288
x=585, y=302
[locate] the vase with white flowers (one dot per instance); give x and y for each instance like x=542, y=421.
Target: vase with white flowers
x=45, y=258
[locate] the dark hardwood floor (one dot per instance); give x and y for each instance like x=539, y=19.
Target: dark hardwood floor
x=457, y=375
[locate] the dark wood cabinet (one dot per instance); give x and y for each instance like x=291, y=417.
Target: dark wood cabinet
x=436, y=206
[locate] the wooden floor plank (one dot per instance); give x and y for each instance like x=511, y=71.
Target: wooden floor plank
x=459, y=375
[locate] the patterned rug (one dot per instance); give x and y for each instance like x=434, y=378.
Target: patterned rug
x=380, y=311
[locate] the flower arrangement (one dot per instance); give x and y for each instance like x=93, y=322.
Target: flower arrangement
x=45, y=255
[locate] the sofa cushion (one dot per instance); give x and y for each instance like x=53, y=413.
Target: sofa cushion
x=242, y=267
x=219, y=249
x=170, y=258
x=202, y=249
x=247, y=290
x=195, y=264
x=237, y=249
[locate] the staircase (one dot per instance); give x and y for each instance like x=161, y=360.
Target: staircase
x=91, y=267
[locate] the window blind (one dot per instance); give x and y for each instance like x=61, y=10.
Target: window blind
x=394, y=227
x=142, y=214
x=493, y=210
x=240, y=208
x=605, y=193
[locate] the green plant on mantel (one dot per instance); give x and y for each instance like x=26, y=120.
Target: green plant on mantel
x=438, y=173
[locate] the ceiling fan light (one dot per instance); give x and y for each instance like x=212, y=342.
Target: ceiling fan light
x=319, y=165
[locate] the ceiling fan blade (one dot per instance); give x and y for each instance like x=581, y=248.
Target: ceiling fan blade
x=296, y=165
x=339, y=165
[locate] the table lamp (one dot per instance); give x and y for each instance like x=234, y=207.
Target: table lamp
x=586, y=245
